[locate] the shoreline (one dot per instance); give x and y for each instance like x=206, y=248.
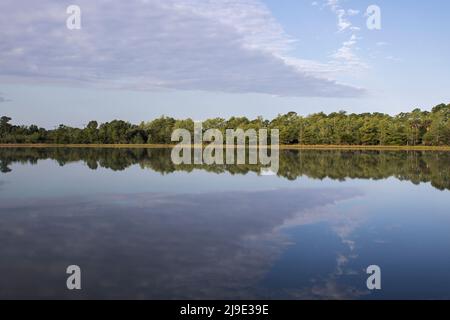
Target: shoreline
x=282, y=147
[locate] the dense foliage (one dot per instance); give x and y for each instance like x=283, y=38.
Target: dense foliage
x=406, y=129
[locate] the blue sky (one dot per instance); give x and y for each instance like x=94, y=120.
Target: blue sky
x=139, y=59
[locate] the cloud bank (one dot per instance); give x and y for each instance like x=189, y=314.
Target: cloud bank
x=233, y=46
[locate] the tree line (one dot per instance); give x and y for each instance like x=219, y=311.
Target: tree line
x=413, y=128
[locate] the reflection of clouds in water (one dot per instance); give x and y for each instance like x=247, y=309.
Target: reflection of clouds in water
x=332, y=286
x=3, y=184
x=343, y=224
x=215, y=245
x=329, y=289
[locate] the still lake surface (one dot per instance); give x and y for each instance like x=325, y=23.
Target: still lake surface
x=141, y=227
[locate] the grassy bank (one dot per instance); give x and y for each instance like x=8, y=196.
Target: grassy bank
x=283, y=147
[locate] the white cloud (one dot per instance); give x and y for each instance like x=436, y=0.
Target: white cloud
x=345, y=55
x=342, y=15
x=343, y=23
x=210, y=45
x=394, y=59
x=3, y=99
x=352, y=12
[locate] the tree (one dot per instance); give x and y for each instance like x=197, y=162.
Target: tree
x=289, y=126
x=159, y=131
x=5, y=127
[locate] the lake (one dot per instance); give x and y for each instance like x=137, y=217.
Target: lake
x=141, y=227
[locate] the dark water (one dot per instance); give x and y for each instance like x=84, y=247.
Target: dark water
x=141, y=227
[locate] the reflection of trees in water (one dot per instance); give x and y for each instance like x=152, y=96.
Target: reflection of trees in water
x=414, y=166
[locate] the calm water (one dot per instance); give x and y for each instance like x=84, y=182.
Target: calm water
x=140, y=227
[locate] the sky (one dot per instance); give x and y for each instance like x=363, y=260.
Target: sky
x=139, y=59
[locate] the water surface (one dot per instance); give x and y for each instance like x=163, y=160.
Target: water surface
x=141, y=227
